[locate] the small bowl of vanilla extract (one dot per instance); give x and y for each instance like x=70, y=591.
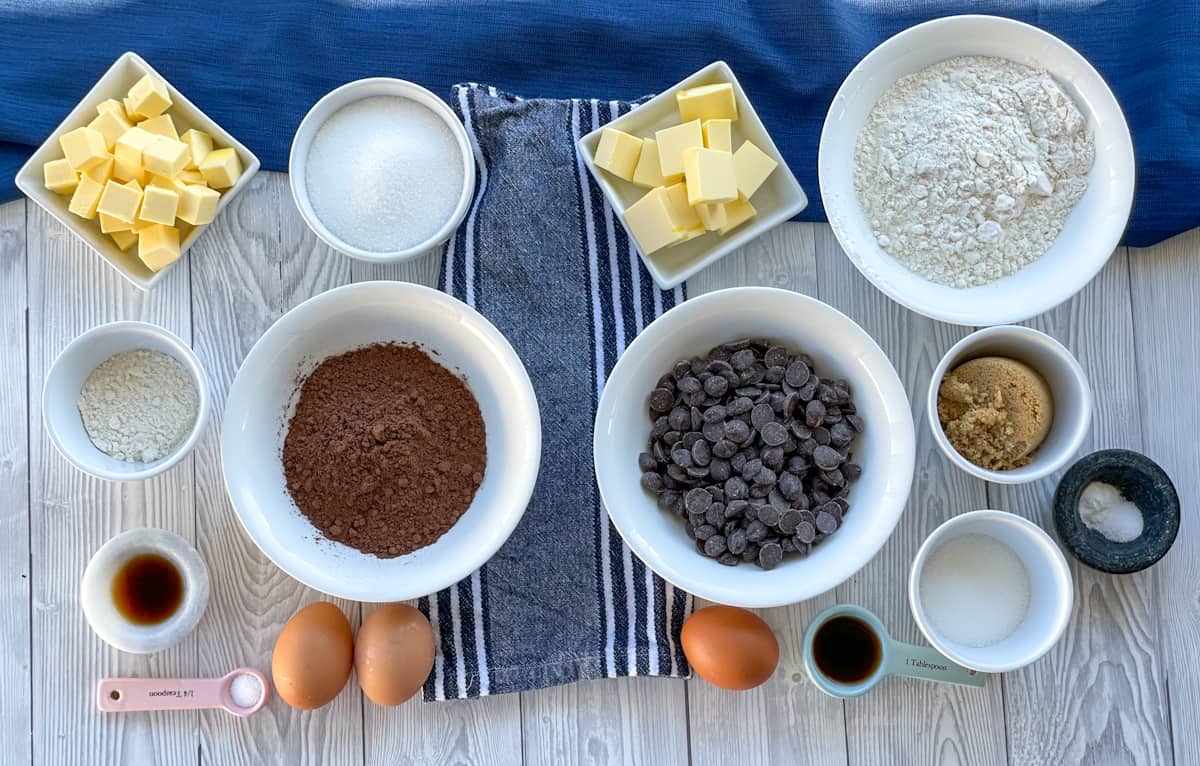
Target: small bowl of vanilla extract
x=144, y=590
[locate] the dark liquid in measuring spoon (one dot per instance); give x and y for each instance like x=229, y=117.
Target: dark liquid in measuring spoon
x=847, y=650
x=148, y=589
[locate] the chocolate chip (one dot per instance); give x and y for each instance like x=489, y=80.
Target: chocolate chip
x=697, y=501
x=653, y=482
x=826, y=458
x=773, y=434
x=770, y=555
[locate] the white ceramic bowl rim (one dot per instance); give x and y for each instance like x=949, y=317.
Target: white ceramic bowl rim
x=1007, y=302
x=1053, y=557
x=780, y=586
x=322, y=111
x=136, y=471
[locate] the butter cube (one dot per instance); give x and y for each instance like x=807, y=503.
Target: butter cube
x=124, y=239
x=617, y=152
x=718, y=134
x=161, y=125
x=124, y=171
x=148, y=97
x=166, y=183
x=101, y=172
x=84, y=147
x=110, y=124
x=192, y=177
x=86, y=198
x=673, y=142
x=158, y=246
x=133, y=183
x=165, y=156
x=108, y=224
x=132, y=144
x=752, y=166
x=61, y=178
x=197, y=204
x=707, y=102
x=683, y=215
x=130, y=115
x=112, y=105
x=159, y=205
x=139, y=225
x=650, y=222
x=712, y=214
x=199, y=145
x=737, y=213
x=222, y=167
x=120, y=202
x=709, y=176
x=648, y=172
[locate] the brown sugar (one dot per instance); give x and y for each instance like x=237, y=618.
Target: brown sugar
x=995, y=411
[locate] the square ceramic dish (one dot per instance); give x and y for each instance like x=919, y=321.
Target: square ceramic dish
x=115, y=83
x=778, y=199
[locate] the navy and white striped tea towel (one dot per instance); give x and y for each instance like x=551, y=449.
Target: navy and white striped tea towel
x=541, y=255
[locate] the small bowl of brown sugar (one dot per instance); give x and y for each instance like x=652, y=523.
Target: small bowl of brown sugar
x=1009, y=404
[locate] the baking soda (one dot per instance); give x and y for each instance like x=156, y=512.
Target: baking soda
x=974, y=590
x=384, y=173
x=246, y=690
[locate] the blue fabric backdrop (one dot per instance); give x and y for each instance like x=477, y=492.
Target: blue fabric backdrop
x=256, y=67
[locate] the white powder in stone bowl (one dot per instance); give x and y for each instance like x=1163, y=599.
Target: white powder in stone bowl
x=384, y=173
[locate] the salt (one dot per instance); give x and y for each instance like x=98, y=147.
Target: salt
x=975, y=590
x=246, y=690
x=1103, y=509
x=384, y=173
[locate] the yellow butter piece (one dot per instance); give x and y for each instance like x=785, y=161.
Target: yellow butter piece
x=683, y=215
x=617, y=152
x=197, y=204
x=124, y=239
x=112, y=105
x=101, y=172
x=84, y=147
x=709, y=176
x=162, y=125
x=125, y=171
x=673, y=142
x=133, y=183
x=86, y=198
x=120, y=202
x=165, y=156
x=707, y=102
x=648, y=174
x=718, y=134
x=139, y=225
x=164, y=182
x=108, y=224
x=158, y=246
x=60, y=177
x=221, y=168
x=199, y=145
x=130, y=115
x=650, y=222
x=712, y=215
x=192, y=177
x=148, y=97
x=752, y=166
x=159, y=205
x=111, y=124
x=132, y=144
x=737, y=213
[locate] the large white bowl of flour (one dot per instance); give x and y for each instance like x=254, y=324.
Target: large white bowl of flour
x=1088, y=230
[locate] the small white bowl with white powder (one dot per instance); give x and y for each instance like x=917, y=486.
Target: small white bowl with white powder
x=991, y=591
x=382, y=170
x=125, y=401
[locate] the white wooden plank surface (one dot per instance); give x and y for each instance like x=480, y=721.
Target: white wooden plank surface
x=15, y=721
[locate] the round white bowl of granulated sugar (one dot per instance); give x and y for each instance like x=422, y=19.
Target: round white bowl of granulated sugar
x=382, y=170
x=1089, y=232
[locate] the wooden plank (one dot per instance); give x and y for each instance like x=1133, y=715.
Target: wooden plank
x=745, y=727
x=247, y=271
x=904, y=720
x=71, y=515
x=15, y=712
x=1165, y=281
x=1099, y=696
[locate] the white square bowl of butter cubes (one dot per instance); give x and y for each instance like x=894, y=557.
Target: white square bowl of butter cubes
x=692, y=174
x=137, y=171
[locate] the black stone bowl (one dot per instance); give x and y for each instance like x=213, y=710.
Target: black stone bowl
x=1144, y=484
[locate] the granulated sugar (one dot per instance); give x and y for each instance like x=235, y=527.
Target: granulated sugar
x=974, y=590
x=384, y=173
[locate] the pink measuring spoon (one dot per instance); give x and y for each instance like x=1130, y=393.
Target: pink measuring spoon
x=123, y=695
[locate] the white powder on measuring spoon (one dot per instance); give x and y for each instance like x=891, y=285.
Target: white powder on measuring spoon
x=384, y=173
x=974, y=590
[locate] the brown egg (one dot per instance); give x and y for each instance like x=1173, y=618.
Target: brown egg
x=730, y=647
x=313, y=656
x=393, y=654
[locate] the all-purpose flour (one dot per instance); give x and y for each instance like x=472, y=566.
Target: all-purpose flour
x=967, y=169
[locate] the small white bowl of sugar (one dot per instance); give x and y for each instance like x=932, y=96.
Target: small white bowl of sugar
x=382, y=170
x=125, y=401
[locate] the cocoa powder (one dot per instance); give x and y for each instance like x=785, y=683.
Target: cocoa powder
x=386, y=450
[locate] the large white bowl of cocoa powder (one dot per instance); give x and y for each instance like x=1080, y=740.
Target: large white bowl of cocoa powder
x=381, y=441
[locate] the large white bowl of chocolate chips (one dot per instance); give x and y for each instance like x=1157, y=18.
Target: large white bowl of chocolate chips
x=754, y=447
x=381, y=441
